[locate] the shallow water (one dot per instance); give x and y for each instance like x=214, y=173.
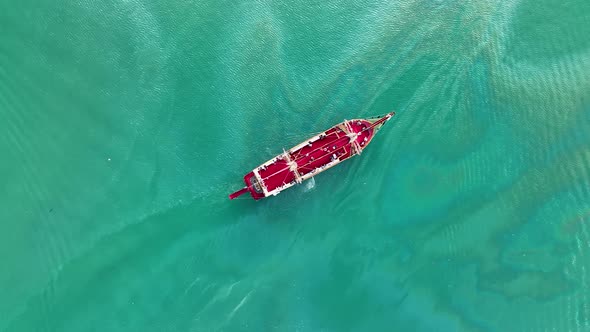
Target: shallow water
x=126, y=124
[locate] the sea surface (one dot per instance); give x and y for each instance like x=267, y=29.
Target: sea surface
x=125, y=124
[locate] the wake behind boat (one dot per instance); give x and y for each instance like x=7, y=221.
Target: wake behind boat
x=311, y=157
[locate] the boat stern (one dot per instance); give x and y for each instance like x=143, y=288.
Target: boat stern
x=254, y=186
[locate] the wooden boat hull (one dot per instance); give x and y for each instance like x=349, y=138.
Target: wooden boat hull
x=311, y=157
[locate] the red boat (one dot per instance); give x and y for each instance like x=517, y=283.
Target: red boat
x=311, y=157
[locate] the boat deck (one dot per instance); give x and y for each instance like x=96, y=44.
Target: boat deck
x=320, y=152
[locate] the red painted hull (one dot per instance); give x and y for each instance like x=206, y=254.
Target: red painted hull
x=311, y=157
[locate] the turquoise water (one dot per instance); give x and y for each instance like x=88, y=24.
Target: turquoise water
x=125, y=125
